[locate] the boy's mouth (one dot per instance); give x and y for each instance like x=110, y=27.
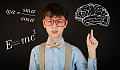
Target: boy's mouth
x=54, y=32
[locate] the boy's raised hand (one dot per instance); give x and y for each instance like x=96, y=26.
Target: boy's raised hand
x=92, y=44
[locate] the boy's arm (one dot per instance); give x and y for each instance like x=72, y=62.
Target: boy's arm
x=32, y=64
x=82, y=64
x=92, y=44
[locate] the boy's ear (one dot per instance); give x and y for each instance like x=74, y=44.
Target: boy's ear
x=66, y=24
x=44, y=25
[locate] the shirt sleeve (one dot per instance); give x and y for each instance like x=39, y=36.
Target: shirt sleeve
x=82, y=64
x=92, y=64
x=33, y=64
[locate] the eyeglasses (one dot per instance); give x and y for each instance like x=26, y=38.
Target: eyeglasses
x=58, y=22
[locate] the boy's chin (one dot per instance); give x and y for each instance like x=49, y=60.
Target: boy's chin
x=55, y=36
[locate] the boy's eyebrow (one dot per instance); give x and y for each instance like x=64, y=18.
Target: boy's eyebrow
x=57, y=17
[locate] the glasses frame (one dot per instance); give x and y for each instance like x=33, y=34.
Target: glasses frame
x=54, y=21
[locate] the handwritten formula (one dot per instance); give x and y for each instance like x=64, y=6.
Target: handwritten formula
x=26, y=12
x=24, y=40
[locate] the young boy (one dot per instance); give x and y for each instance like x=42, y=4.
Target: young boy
x=55, y=20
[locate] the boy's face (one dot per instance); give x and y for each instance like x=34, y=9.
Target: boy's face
x=54, y=31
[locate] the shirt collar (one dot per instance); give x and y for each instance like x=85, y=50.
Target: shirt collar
x=61, y=40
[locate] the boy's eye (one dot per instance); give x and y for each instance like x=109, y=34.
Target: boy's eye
x=58, y=21
x=49, y=21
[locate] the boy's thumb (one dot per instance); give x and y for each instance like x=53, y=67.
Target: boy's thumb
x=88, y=37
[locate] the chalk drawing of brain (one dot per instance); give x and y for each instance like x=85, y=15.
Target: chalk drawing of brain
x=92, y=14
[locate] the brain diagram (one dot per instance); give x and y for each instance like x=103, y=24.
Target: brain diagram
x=92, y=14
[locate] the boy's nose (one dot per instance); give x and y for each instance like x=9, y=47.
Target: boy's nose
x=54, y=25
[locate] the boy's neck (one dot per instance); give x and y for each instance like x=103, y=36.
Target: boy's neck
x=55, y=40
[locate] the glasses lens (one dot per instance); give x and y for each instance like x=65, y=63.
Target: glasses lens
x=48, y=22
x=60, y=22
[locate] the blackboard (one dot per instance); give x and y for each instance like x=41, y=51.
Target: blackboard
x=23, y=30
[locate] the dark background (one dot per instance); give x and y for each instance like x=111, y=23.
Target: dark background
x=11, y=27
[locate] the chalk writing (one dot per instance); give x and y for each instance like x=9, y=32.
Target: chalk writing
x=92, y=14
x=24, y=40
x=26, y=12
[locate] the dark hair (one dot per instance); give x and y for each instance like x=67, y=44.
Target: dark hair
x=55, y=9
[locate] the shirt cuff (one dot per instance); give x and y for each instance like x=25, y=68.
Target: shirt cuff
x=92, y=64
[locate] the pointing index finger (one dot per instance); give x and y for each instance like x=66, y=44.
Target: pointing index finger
x=91, y=33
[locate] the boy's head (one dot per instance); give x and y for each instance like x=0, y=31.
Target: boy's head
x=55, y=9
x=55, y=20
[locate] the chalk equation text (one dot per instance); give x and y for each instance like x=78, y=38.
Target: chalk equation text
x=24, y=40
x=26, y=12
